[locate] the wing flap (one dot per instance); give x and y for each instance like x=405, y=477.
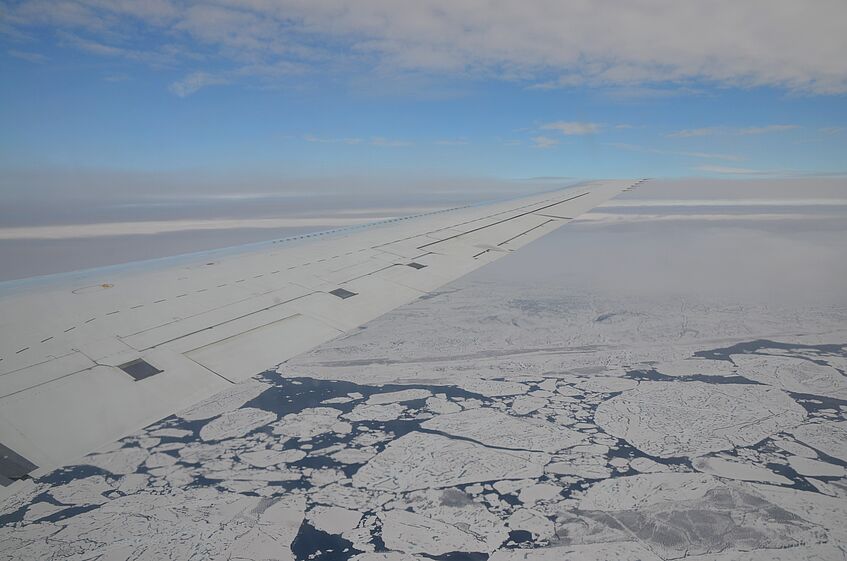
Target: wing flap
x=57, y=422
x=241, y=356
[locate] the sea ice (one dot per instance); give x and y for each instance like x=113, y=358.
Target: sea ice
x=310, y=423
x=669, y=419
x=738, y=470
x=419, y=461
x=413, y=533
x=792, y=374
x=235, y=423
x=493, y=428
x=398, y=396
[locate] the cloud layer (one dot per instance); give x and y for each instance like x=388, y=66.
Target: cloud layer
x=544, y=43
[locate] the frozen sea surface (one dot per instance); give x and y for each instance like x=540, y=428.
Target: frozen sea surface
x=489, y=421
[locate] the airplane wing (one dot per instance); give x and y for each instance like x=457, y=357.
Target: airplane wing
x=89, y=357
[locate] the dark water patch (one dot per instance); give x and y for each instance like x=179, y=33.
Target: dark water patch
x=316, y=545
x=568, y=491
x=169, y=422
x=67, y=474
x=284, y=484
x=15, y=516
x=813, y=403
x=373, y=520
x=797, y=481
x=824, y=457
x=518, y=537
x=720, y=379
x=626, y=451
x=416, y=403
x=290, y=484
x=509, y=498
x=767, y=447
x=68, y=513
x=759, y=346
x=46, y=497
x=317, y=462
x=649, y=376
x=18, y=514
x=394, y=429
x=457, y=556
x=294, y=394
x=653, y=375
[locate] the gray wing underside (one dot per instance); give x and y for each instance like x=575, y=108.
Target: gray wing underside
x=90, y=357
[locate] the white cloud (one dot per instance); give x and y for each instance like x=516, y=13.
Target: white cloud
x=332, y=140
x=389, y=142
x=28, y=56
x=542, y=141
x=688, y=133
x=712, y=156
x=776, y=43
x=732, y=131
x=729, y=170
x=572, y=128
x=599, y=217
x=769, y=129
x=374, y=141
x=728, y=202
x=195, y=82
x=649, y=150
x=770, y=173
x=150, y=227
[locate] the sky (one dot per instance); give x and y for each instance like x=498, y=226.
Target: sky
x=131, y=129
x=236, y=96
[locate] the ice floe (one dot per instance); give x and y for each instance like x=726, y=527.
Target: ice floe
x=236, y=423
x=512, y=432
x=677, y=515
x=398, y=396
x=525, y=404
x=419, y=461
x=696, y=367
x=382, y=412
x=311, y=423
x=793, y=374
x=806, y=466
x=738, y=470
x=829, y=438
x=669, y=419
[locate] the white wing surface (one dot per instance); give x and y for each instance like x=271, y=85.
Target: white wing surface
x=89, y=357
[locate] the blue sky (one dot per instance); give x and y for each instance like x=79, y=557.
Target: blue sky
x=295, y=89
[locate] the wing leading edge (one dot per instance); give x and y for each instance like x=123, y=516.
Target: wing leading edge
x=94, y=356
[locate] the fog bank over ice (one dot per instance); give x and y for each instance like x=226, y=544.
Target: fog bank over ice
x=773, y=239
x=786, y=255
